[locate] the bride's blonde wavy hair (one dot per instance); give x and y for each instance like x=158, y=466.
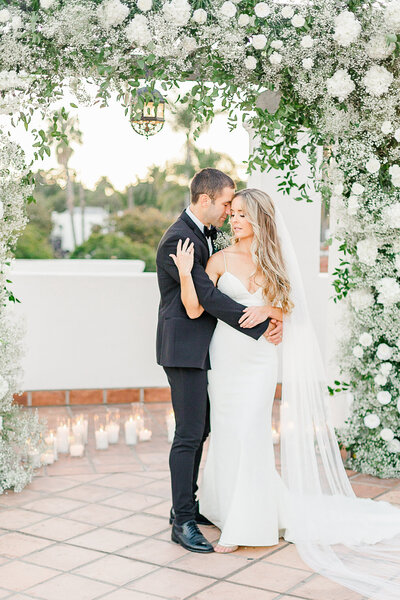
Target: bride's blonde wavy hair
x=265, y=248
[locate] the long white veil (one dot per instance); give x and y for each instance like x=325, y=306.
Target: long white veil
x=353, y=541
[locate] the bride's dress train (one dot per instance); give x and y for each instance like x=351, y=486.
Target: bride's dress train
x=241, y=491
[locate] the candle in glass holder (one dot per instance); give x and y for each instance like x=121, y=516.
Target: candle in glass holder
x=47, y=458
x=101, y=438
x=170, y=419
x=78, y=429
x=76, y=449
x=145, y=435
x=51, y=442
x=63, y=438
x=130, y=432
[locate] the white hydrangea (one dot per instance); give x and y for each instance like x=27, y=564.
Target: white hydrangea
x=307, y=63
x=365, y=339
x=275, y=58
x=1, y=209
x=380, y=379
x=228, y=9
x=384, y=397
x=287, y=12
x=145, y=5
x=340, y=85
x=138, y=32
x=178, y=12
x=199, y=16
x=378, y=47
x=387, y=434
x=298, y=21
x=276, y=44
x=372, y=421
x=307, y=41
x=357, y=189
x=367, y=251
x=338, y=189
x=389, y=291
x=387, y=127
x=397, y=262
x=358, y=351
x=347, y=28
x=262, y=10
x=377, y=80
x=394, y=172
x=250, y=63
x=112, y=13
x=189, y=43
x=384, y=352
x=392, y=16
x=352, y=205
x=361, y=299
x=396, y=135
x=394, y=446
x=243, y=20
x=391, y=215
x=46, y=4
x=385, y=368
x=16, y=23
x=373, y=165
x=259, y=41
x=5, y=15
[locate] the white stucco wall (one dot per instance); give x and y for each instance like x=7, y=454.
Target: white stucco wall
x=88, y=329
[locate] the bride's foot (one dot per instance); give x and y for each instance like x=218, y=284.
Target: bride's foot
x=225, y=549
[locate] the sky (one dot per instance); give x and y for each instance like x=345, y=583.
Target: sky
x=111, y=148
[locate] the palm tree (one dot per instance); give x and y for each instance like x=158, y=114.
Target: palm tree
x=68, y=131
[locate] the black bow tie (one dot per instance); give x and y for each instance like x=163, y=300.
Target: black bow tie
x=211, y=233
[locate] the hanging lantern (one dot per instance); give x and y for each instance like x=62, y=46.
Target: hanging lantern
x=150, y=119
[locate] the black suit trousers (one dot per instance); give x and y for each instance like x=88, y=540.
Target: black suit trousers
x=191, y=407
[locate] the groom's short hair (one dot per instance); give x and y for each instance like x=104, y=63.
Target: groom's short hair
x=209, y=181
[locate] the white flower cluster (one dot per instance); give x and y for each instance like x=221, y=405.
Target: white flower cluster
x=347, y=28
x=112, y=13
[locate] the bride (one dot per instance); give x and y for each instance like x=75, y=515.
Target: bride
x=353, y=541
x=239, y=478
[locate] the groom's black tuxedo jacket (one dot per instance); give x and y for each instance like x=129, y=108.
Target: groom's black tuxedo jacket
x=181, y=341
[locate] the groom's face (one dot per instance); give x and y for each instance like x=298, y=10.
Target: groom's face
x=218, y=210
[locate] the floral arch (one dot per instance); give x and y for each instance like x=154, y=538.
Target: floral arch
x=331, y=67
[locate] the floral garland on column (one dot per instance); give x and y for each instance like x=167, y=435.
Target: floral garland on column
x=18, y=429
x=328, y=67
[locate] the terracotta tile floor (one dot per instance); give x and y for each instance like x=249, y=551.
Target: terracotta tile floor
x=97, y=527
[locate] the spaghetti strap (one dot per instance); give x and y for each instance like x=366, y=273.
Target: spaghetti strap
x=223, y=253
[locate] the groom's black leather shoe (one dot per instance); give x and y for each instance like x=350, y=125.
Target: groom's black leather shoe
x=190, y=537
x=199, y=518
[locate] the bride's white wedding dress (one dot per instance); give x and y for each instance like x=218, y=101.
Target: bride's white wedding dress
x=241, y=491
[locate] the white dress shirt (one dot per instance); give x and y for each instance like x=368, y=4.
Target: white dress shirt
x=201, y=226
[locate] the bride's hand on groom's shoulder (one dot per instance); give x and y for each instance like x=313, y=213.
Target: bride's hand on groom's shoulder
x=184, y=257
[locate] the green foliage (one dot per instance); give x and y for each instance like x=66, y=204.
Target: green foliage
x=33, y=243
x=143, y=225
x=114, y=246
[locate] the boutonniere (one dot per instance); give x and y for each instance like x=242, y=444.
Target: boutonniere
x=223, y=240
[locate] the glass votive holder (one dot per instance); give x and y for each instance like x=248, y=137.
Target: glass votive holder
x=62, y=435
x=77, y=447
x=100, y=432
x=113, y=425
x=170, y=421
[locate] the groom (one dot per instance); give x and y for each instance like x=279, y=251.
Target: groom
x=182, y=344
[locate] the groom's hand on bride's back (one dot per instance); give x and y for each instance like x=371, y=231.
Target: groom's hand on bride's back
x=274, y=332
